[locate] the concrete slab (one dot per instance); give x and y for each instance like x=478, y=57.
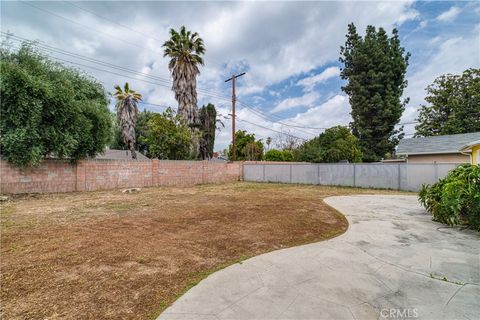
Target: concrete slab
x=392, y=263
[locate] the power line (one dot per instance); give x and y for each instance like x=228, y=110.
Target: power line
x=82, y=25
x=40, y=44
x=258, y=112
x=112, y=21
x=258, y=125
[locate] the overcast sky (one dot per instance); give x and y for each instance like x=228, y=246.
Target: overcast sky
x=289, y=51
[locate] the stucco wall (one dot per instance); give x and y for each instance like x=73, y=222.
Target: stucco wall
x=439, y=158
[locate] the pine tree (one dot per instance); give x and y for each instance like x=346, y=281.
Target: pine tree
x=375, y=68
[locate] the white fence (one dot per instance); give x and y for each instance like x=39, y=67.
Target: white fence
x=399, y=176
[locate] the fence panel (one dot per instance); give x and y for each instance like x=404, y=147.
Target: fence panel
x=399, y=176
x=304, y=173
x=277, y=173
x=336, y=174
x=384, y=176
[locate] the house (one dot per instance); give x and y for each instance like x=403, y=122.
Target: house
x=473, y=150
x=112, y=154
x=441, y=149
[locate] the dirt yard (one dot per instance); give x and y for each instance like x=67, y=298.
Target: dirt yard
x=110, y=255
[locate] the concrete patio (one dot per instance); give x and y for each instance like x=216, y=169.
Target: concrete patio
x=392, y=263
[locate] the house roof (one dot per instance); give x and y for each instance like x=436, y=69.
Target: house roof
x=436, y=144
x=469, y=146
x=112, y=154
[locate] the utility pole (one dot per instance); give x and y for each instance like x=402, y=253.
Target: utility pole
x=234, y=147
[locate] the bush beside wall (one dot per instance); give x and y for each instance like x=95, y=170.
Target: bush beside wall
x=455, y=199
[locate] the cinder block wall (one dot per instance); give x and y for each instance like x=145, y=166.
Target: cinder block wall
x=89, y=175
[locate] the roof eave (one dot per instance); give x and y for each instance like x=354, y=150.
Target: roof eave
x=425, y=153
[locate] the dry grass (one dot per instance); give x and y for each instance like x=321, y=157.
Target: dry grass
x=109, y=255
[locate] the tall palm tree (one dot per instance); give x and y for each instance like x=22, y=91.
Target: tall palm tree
x=127, y=110
x=185, y=50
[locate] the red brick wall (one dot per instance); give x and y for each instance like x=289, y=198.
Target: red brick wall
x=62, y=176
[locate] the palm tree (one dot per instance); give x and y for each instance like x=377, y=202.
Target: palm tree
x=127, y=114
x=185, y=50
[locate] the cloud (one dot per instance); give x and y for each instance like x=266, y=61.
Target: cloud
x=309, y=83
x=307, y=100
x=321, y=116
x=449, y=15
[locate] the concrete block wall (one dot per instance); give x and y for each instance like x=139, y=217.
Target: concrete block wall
x=405, y=176
x=89, y=175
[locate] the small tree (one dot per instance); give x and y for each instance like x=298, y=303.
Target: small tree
x=141, y=128
x=208, y=124
x=335, y=144
x=127, y=110
x=168, y=137
x=268, y=142
x=454, y=105
x=49, y=110
x=287, y=141
x=247, y=148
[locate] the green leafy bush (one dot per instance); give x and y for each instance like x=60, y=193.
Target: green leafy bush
x=49, y=110
x=279, y=155
x=456, y=198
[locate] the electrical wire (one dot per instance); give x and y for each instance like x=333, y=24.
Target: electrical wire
x=111, y=21
x=105, y=34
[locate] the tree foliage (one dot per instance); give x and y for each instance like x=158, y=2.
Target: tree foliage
x=48, y=109
x=278, y=155
x=168, y=137
x=185, y=50
x=127, y=110
x=453, y=105
x=335, y=144
x=141, y=128
x=375, y=68
x=208, y=125
x=247, y=148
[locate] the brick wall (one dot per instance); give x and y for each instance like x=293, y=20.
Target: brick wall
x=88, y=175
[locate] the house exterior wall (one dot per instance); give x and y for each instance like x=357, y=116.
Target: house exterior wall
x=89, y=175
x=439, y=158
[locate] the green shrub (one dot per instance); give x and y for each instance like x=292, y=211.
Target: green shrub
x=279, y=155
x=49, y=110
x=456, y=198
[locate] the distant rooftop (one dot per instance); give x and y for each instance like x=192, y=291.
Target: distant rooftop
x=112, y=154
x=436, y=144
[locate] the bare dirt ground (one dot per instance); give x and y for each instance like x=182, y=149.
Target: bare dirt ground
x=110, y=255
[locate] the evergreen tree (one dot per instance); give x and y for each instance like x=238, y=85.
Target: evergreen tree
x=208, y=125
x=454, y=105
x=375, y=68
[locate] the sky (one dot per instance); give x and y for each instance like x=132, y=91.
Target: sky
x=289, y=51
